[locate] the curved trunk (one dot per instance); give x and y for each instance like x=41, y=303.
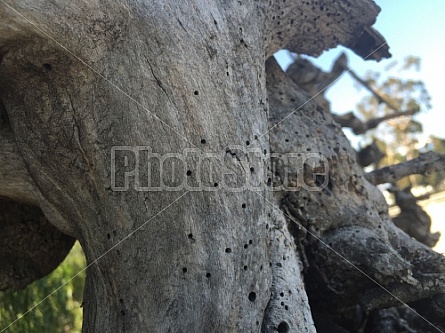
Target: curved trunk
x=142, y=130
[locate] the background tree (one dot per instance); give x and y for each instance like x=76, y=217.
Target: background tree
x=385, y=117
x=398, y=137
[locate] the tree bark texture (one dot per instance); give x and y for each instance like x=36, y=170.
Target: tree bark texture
x=358, y=260
x=78, y=79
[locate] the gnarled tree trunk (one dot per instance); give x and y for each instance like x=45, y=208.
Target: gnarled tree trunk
x=107, y=102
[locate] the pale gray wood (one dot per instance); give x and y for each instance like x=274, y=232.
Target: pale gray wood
x=79, y=78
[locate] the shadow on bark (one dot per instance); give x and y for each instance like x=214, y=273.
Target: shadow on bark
x=31, y=247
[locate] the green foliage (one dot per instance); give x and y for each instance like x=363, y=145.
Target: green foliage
x=399, y=137
x=61, y=312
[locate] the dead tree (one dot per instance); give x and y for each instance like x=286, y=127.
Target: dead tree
x=78, y=79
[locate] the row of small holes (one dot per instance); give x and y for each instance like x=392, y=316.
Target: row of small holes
x=184, y=270
x=203, y=141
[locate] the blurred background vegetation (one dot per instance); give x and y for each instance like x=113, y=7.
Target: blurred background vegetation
x=60, y=313
x=402, y=138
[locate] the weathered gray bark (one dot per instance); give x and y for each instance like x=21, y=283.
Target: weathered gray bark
x=358, y=260
x=79, y=78
x=195, y=78
x=425, y=164
x=313, y=80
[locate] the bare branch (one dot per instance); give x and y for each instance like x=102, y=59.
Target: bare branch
x=284, y=28
x=370, y=154
x=380, y=98
x=373, y=123
x=425, y=164
x=412, y=219
x=371, y=45
x=359, y=127
x=313, y=80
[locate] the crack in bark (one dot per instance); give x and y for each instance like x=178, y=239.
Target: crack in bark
x=158, y=82
x=233, y=154
x=76, y=129
x=182, y=26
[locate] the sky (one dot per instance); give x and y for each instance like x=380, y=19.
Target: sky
x=411, y=27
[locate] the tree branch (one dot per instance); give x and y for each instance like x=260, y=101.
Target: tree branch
x=363, y=233
x=359, y=127
x=305, y=28
x=370, y=45
x=370, y=154
x=412, y=219
x=313, y=80
x=380, y=98
x=425, y=164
